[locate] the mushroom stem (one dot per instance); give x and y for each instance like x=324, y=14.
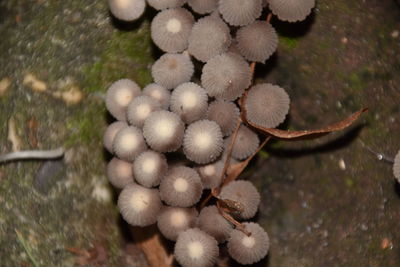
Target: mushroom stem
x=32, y=154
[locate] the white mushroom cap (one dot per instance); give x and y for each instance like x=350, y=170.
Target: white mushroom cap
x=118, y=97
x=189, y=101
x=163, y=131
x=203, y=141
x=138, y=205
x=194, y=248
x=248, y=249
x=127, y=10
x=129, y=143
x=173, y=220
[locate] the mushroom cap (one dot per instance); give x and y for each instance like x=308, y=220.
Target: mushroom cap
x=173, y=220
x=194, y=248
x=210, y=36
x=257, y=41
x=170, y=29
x=181, y=187
x=163, y=131
x=149, y=167
x=170, y=70
x=267, y=105
x=119, y=95
x=396, y=166
x=248, y=249
x=245, y=193
x=203, y=141
x=214, y=224
x=127, y=10
x=158, y=93
x=203, y=6
x=226, y=76
x=129, y=143
x=246, y=143
x=110, y=133
x=225, y=114
x=140, y=109
x=189, y=101
x=139, y=206
x=119, y=173
x=291, y=10
x=211, y=174
x=239, y=12
x=164, y=4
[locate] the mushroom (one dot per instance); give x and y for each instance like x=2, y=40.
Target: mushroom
x=194, y=248
x=203, y=141
x=170, y=29
x=244, y=193
x=181, y=187
x=248, y=249
x=239, y=12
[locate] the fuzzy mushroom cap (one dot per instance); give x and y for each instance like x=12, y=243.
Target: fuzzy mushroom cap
x=248, y=249
x=245, y=193
x=119, y=173
x=138, y=205
x=239, y=12
x=267, y=105
x=203, y=6
x=214, y=224
x=110, y=133
x=127, y=10
x=189, y=101
x=291, y=10
x=118, y=97
x=129, y=143
x=170, y=29
x=140, y=109
x=164, y=4
x=257, y=41
x=210, y=36
x=203, y=141
x=246, y=143
x=149, y=167
x=226, y=76
x=158, y=93
x=211, y=174
x=174, y=220
x=170, y=70
x=225, y=114
x=396, y=166
x=194, y=248
x=163, y=131
x=181, y=187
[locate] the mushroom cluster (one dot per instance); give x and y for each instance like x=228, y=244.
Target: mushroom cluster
x=172, y=140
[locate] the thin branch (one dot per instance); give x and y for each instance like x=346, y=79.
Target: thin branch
x=379, y=156
x=32, y=154
x=232, y=220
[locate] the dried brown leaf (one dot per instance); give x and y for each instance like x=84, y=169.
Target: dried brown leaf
x=304, y=134
x=236, y=169
x=149, y=240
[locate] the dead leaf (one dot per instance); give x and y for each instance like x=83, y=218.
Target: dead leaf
x=304, y=134
x=236, y=169
x=149, y=240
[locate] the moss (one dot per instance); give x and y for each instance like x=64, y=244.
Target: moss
x=127, y=55
x=288, y=43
